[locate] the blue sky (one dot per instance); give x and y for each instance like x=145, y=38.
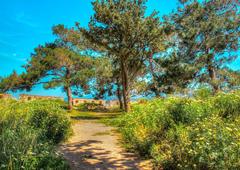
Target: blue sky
x=24, y=24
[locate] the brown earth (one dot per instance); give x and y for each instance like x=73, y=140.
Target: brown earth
x=95, y=146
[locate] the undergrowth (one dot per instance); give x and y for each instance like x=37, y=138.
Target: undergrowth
x=186, y=133
x=29, y=134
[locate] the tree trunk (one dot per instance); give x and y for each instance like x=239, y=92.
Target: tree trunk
x=212, y=75
x=151, y=64
x=68, y=89
x=70, y=99
x=119, y=95
x=125, y=86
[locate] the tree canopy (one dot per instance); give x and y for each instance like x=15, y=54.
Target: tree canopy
x=54, y=65
x=208, y=33
x=124, y=31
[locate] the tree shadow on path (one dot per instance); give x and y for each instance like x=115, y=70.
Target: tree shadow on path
x=91, y=158
x=95, y=146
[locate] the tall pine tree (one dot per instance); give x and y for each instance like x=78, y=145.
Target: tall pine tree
x=54, y=65
x=209, y=32
x=123, y=30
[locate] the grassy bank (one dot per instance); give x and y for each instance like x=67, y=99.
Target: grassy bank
x=186, y=133
x=29, y=134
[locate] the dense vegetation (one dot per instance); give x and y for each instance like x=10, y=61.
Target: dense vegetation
x=94, y=107
x=186, y=133
x=126, y=51
x=29, y=133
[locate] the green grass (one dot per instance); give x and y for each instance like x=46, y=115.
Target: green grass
x=99, y=116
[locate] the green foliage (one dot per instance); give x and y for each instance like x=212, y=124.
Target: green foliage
x=203, y=93
x=230, y=79
x=186, y=133
x=93, y=107
x=27, y=142
x=51, y=120
x=141, y=127
x=9, y=82
x=228, y=105
x=127, y=35
x=204, y=31
x=54, y=65
x=187, y=111
x=208, y=144
x=173, y=72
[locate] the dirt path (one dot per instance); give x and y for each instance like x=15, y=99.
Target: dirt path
x=95, y=146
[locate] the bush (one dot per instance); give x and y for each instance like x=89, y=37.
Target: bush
x=186, y=133
x=208, y=144
x=187, y=111
x=28, y=143
x=203, y=93
x=51, y=120
x=141, y=127
x=228, y=105
x=93, y=107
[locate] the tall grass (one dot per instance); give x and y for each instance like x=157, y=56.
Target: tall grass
x=186, y=133
x=29, y=133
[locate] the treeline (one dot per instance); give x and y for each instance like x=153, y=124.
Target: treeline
x=125, y=52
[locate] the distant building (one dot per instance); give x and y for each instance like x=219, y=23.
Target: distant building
x=5, y=96
x=106, y=103
x=111, y=103
x=78, y=101
x=26, y=97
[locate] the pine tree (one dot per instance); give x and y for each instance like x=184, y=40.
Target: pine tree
x=54, y=65
x=208, y=32
x=121, y=28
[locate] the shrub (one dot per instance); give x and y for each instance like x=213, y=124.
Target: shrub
x=186, y=133
x=24, y=144
x=187, y=111
x=228, y=105
x=94, y=107
x=51, y=120
x=144, y=125
x=208, y=144
x=203, y=93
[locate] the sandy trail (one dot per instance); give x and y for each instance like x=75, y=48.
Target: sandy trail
x=95, y=146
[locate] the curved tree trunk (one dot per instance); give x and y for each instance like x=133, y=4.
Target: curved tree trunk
x=68, y=89
x=70, y=99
